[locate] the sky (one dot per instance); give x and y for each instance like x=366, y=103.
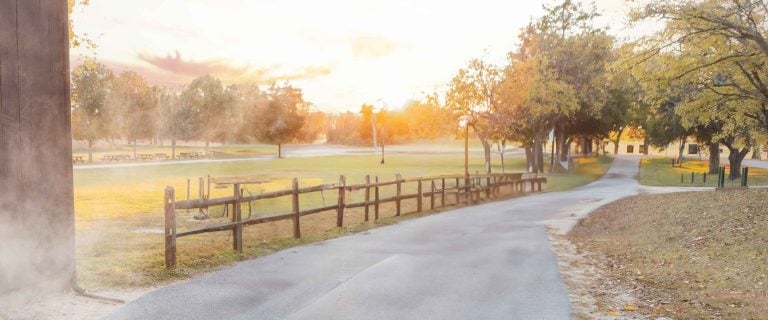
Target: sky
x=342, y=53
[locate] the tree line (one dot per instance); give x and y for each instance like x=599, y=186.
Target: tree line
x=124, y=107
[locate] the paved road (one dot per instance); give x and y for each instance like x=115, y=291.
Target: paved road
x=491, y=261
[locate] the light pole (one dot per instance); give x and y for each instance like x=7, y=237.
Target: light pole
x=464, y=123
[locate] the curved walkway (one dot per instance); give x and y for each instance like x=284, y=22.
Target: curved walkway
x=491, y=261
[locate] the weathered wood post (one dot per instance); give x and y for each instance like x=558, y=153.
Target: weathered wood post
x=189, y=185
x=539, y=181
x=376, y=199
x=237, y=231
x=296, y=214
x=419, y=196
x=397, y=196
x=37, y=229
x=458, y=192
x=487, y=187
x=442, y=192
x=170, y=228
x=341, y=203
x=432, y=196
x=367, y=194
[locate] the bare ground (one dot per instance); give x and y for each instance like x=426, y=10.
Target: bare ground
x=700, y=255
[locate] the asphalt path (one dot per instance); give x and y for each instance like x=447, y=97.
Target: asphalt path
x=491, y=261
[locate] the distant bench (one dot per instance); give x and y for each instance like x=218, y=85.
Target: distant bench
x=115, y=157
x=190, y=155
x=77, y=159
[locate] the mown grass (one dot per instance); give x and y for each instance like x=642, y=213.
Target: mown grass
x=659, y=172
x=225, y=151
x=585, y=171
x=697, y=255
x=119, y=217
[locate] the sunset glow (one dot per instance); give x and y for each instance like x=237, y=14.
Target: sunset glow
x=342, y=53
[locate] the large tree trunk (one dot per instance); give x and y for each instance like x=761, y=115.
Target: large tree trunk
x=616, y=142
x=487, y=154
x=714, y=158
x=645, y=143
x=735, y=159
x=563, y=145
x=530, y=161
x=90, y=151
x=538, y=153
x=680, y=151
x=173, y=148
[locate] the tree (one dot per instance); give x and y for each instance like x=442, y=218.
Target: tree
x=474, y=93
x=367, y=129
x=211, y=105
x=91, y=85
x=177, y=120
x=135, y=104
x=282, y=117
x=428, y=118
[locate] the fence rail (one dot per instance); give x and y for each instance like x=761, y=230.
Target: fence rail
x=464, y=190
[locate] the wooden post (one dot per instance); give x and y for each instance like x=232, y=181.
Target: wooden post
x=397, y=197
x=188, y=190
x=419, y=196
x=201, y=191
x=539, y=181
x=367, y=194
x=442, y=193
x=487, y=187
x=208, y=190
x=170, y=228
x=376, y=199
x=458, y=192
x=342, y=195
x=432, y=196
x=237, y=232
x=296, y=214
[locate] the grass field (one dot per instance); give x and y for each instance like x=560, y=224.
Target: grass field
x=119, y=217
x=659, y=172
x=696, y=255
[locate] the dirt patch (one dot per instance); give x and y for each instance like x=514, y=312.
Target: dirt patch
x=64, y=306
x=697, y=255
x=592, y=297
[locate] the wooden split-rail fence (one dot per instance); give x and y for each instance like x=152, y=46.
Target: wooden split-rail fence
x=465, y=189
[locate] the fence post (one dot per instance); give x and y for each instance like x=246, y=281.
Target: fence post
x=442, y=193
x=367, y=194
x=744, y=176
x=693, y=176
x=297, y=215
x=458, y=192
x=539, y=181
x=188, y=187
x=201, y=191
x=487, y=187
x=170, y=228
x=682, y=177
x=721, y=177
x=432, y=196
x=419, y=196
x=342, y=195
x=376, y=199
x=705, y=178
x=208, y=191
x=397, y=196
x=237, y=232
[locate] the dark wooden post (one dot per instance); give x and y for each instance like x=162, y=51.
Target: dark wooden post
x=189, y=186
x=237, y=232
x=342, y=195
x=367, y=194
x=487, y=187
x=432, y=196
x=419, y=196
x=170, y=228
x=397, y=196
x=458, y=192
x=376, y=199
x=442, y=192
x=539, y=181
x=296, y=214
x=37, y=216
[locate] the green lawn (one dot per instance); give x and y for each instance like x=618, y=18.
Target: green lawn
x=659, y=172
x=119, y=216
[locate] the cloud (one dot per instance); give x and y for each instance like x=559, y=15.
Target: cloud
x=174, y=66
x=372, y=46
